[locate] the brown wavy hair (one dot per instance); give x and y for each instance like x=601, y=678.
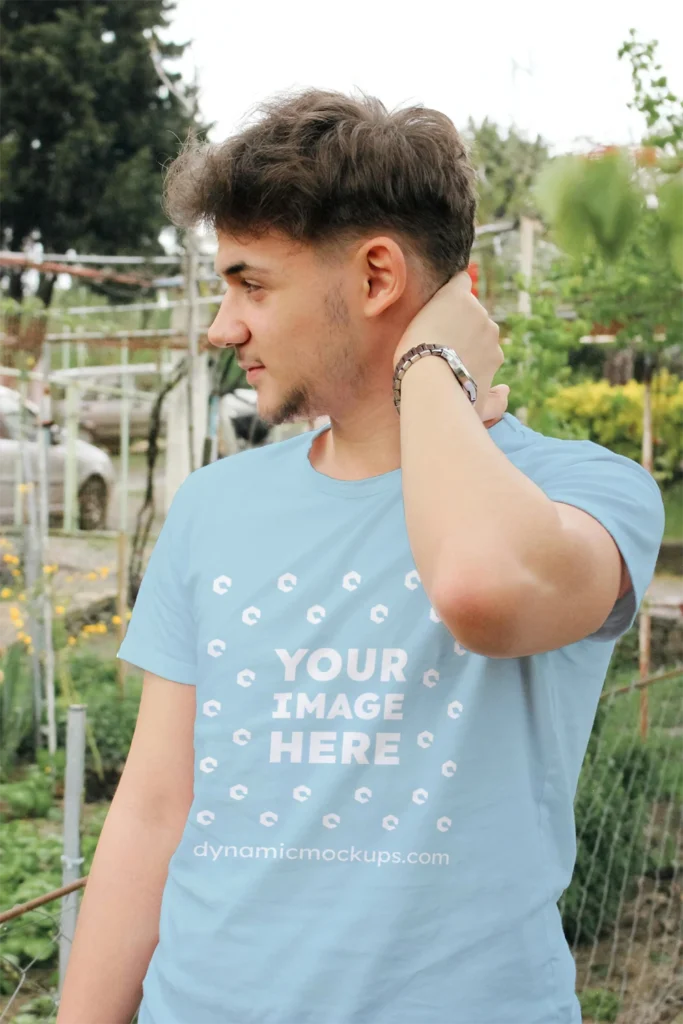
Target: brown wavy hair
x=322, y=167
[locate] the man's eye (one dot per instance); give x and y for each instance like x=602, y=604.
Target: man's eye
x=250, y=287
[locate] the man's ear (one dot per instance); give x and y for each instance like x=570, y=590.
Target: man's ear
x=383, y=273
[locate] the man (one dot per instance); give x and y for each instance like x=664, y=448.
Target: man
x=373, y=652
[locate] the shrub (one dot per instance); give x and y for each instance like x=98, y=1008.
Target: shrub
x=613, y=417
x=600, y=1004
x=608, y=850
x=111, y=719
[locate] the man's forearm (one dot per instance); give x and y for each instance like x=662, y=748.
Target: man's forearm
x=118, y=921
x=479, y=529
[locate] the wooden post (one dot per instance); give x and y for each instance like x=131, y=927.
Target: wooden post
x=527, y=227
x=644, y=638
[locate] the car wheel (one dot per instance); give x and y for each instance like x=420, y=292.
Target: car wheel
x=92, y=504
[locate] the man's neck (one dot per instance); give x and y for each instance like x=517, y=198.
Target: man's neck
x=365, y=444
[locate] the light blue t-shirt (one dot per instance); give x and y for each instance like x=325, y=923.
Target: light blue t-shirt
x=382, y=821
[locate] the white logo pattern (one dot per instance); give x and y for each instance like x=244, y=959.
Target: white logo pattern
x=378, y=614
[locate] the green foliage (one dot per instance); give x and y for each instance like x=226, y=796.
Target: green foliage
x=29, y=797
x=111, y=718
x=16, y=715
x=600, y=1004
x=619, y=219
x=662, y=109
x=536, y=349
x=87, y=123
x=621, y=780
x=613, y=417
x=591, y=203
x=609, y=852
x=506, y=165
x=30, y=866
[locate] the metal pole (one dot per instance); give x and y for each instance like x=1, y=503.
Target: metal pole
x=70, y=466
x=71, y=858
x=32, y=559
x=44, y=596
x=192, y=339
x=123, y=508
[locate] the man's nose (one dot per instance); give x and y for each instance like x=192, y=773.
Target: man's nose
x=227, y=329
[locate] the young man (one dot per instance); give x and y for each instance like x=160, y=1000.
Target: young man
x=372, y=652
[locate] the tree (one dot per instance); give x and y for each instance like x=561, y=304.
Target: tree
x=618, y=216
x=87, y=126
x=507, y=166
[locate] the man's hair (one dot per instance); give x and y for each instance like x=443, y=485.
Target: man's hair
x=322, y=167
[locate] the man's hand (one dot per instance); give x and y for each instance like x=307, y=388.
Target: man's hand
x=455, y=318
x=495, y=405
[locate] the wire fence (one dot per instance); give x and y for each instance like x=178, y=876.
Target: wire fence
x=622, y=914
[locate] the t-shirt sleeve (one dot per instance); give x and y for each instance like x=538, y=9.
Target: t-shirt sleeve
x=626, y=500
x=161, y=635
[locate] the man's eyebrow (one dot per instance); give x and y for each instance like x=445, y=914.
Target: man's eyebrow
x=241, y=268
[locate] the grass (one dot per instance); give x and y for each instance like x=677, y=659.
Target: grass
x=665, y=730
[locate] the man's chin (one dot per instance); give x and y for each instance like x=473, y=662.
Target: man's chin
x=293, y=409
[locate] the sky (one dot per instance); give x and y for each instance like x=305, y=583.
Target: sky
x=548, y=68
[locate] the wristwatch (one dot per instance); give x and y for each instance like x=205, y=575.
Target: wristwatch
x=456, y=364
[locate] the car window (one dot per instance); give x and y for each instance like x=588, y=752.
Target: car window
x=11, y=424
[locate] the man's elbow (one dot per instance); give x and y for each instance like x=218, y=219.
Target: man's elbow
x=482, y=619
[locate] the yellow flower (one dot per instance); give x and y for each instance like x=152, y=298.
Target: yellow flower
x=9, y=559
x=16, y=572
x=116, y=620
x=31, y=361
x=91, y=576
x=6, y=592
x=59, y=609
x=21, y=635
x=72, y=640
x=27, y=640
x=14, y=612
x=128, y=615
x=104, y=571
x=19, y=623
x=103, y=627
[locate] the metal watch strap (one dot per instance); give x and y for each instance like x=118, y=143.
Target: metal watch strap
x=465, y=380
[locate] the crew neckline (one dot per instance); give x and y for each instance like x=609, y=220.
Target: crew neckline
x=384, y=482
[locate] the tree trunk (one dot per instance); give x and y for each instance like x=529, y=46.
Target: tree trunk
x=618, y=366
x=46, y=287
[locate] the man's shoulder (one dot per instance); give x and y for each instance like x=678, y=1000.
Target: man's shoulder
x=543, y=457
x=258, y=462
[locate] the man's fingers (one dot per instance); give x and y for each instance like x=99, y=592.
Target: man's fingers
x=496, y=404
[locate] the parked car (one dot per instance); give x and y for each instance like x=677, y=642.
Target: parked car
x=99, y=419
x=96, y=476
x=239, y=407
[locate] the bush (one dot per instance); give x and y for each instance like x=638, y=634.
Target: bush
x=111, y=720
x=608, y=851
x=613, y=417
x=599, y=1004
